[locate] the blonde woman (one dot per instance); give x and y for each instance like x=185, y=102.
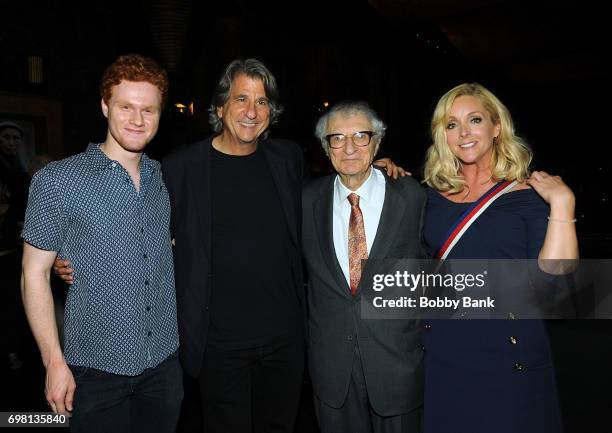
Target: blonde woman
x=490, y=375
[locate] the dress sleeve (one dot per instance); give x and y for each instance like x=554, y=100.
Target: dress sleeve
x=554, y=292
x=535, y=214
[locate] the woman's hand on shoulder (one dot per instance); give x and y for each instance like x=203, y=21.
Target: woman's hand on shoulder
x=552, y=189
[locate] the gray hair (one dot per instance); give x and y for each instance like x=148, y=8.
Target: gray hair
x=350, y=108
x=252, y=68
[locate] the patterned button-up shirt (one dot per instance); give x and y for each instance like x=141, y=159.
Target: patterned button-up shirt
x=120, y=313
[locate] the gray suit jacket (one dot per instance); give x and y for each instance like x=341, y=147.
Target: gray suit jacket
x=390, y=349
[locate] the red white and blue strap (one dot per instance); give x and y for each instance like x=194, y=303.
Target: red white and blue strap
x=469, y=216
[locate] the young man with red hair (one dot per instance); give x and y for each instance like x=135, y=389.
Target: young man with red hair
x=108, y=209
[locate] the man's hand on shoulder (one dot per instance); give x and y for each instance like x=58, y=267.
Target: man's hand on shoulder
x=394, y=171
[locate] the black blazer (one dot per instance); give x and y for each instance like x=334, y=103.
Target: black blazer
x=390, y=349
x=187, y=176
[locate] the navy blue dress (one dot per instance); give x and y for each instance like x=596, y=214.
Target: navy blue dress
x=489, y=376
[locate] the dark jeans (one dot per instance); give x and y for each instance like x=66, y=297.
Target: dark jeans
x=149, y=402
x=252, y=390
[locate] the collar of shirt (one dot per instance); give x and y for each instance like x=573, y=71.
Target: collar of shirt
x=99, y=161
x=364, y=192
x=373, y=194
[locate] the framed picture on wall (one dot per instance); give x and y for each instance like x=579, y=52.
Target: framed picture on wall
x=18, y=135
x=32, y=124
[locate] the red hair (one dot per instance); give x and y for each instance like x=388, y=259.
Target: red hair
x=134, y=67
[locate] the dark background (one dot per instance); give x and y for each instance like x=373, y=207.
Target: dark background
x=547, y=60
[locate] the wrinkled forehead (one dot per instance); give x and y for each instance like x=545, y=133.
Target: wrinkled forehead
x=348, y=122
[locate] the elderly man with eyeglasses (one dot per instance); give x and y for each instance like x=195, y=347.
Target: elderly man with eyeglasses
x=366, y=374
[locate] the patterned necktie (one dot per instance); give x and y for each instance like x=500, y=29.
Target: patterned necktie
x=357, y=246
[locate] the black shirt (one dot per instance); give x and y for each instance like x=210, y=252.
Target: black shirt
x=253, y=300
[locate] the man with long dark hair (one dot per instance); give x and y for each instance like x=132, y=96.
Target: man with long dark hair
x=235, y=221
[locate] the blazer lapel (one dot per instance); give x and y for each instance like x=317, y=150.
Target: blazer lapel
x=282, y=180
x=323, y=217
x=390, y=218
x=201, y=192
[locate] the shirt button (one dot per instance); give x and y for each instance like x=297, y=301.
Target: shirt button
x=144, y=256
x=518, y=366
x=349, y=338
x=146, y=282
x=149, y=333
x=513, y=340
x=428, y=326
x=148, y=308
x=114, y=164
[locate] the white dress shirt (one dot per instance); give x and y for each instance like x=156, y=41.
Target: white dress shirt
x=371, y=198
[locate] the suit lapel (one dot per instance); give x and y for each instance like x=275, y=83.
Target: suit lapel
x=283, y=182
x=390, y=219
x=323, y=218
x=202, y=193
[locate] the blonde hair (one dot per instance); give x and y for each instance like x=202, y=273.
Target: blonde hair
x=510, y=158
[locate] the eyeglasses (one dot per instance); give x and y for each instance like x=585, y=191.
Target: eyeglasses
x=360, y=139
